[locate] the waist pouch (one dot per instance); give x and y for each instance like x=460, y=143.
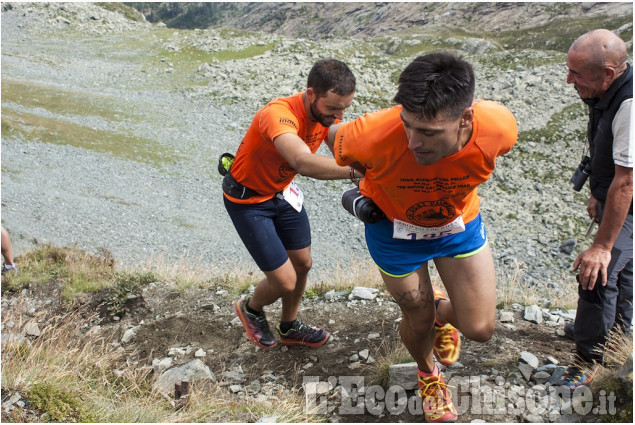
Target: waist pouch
x=235, y=189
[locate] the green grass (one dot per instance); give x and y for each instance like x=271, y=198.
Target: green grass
x=62, y=101
x=76, y=273
x=495, y=62
x=40, y=113
x=57, y=130
x=187, y=60
x=59, y=404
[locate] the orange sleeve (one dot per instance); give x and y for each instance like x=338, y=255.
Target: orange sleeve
x=364, y=138
x=498, y=130
x=276, y=120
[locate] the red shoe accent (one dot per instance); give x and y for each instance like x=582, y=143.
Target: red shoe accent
x=436, y=398
x=253, y=331
x=447, y=342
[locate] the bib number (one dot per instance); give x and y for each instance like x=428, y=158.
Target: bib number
x=294, y=196
x=408, y=231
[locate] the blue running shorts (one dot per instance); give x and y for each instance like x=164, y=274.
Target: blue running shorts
x=268, y=229
x=400, y=257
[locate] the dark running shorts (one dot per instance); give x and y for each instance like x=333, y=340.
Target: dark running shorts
x=268, y=229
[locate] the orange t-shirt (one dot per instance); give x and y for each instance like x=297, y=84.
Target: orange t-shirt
x=425, y=195
x=258, y=165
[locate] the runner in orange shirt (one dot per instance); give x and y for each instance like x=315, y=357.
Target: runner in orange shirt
x=265, y=204
x=424, y=160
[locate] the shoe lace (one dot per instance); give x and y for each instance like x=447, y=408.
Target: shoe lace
x=435, y=389
x=445, y=336
x=261, y=321
x=304, y=328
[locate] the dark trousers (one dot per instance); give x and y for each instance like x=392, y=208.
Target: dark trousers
x=607, y=307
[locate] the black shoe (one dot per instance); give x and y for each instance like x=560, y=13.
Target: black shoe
x=255, y=325
x=569, y=330
x=303, y=334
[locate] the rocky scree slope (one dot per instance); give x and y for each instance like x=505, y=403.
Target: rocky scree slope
x=180, y=98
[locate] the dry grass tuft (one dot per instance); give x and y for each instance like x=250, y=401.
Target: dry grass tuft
x=77, y=270
x=74, y=372
x=391, y=353
x=511, y=289
x=188, y=272
x=617, y=349
x=362, y=273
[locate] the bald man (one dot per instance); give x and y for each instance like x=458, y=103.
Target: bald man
x=599, y=72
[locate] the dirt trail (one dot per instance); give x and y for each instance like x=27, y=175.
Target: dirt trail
x=203, y=319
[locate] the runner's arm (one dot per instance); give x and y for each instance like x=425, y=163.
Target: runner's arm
x=360, y=170
x=299, y=156
x=330, y=138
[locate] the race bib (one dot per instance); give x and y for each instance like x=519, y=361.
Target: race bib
x=403, y=230
x=294, y=196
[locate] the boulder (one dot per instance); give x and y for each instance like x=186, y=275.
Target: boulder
x=533, y=313
x=404, y=375
x=196, y=370
x=363, y=293
x=530, y=359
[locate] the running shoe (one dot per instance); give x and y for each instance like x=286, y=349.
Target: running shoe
x=303, y=334
x=436, y=398
x=255, y=325
x=447, y=342
x=575, y=375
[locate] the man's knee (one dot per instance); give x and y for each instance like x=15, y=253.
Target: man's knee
x=301, y=261
x=288, y=282
x=303, y=266
x=480, y=331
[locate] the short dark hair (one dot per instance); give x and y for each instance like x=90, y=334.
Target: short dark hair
x=436, y=85
x=331, y=74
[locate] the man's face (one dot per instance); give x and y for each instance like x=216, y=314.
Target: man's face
x=326, y=109
x=431, y=140
x=588, y=83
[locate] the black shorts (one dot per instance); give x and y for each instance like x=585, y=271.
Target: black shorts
x=269, y=229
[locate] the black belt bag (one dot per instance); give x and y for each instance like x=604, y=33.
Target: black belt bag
x=230, y=185
x=237, y=190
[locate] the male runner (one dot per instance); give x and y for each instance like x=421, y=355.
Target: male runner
x=265, y=204
x=424, y=159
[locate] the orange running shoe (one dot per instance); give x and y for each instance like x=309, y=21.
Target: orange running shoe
x=436, y=398
x=447, y=343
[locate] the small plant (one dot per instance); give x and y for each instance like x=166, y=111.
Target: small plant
x=59, y=404
x=124, y=289
x=391, y=353
x=77, y=271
